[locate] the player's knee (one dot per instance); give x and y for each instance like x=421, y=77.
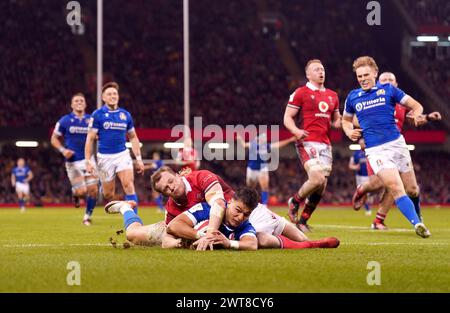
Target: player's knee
x=108, y=194
x=80, y=192
x=413, y=191
x=318, y=180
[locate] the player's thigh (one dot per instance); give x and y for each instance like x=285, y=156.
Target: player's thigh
x=392, y=181
x=264, y=220
x=251, y=177
x=76, y=174
x=264, y=179
x=267, y=241
x=293, y=233
x=126, y=178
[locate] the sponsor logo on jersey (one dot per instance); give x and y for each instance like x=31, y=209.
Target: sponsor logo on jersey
x=115, y=126
x=381, y=92
x=364, y=105
x=323, y=106
x=122, y=116
x=78, y=130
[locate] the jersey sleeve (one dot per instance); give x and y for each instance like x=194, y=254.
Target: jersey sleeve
x=130, y=123
x=295, y=100
x=94, y=123
x=60, y=128
x=356, y=157
x=206, y=180
x=348, y=107
x=399, y=95
x=198, y=213
x=247, y=230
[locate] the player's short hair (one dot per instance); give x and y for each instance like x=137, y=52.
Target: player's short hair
x=365, y=61
x=248, y=196
x=311, y=62
x=156, y=176
x=78, y=94
x=110, y=85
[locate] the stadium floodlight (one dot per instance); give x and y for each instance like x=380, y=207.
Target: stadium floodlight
x=354, y=147
x=411, y=147
x=428, y=38
x=128, y=145
x=27, y=144
x=173, y=145
x=218, y=145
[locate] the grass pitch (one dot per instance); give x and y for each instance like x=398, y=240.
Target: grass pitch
x=36, y=247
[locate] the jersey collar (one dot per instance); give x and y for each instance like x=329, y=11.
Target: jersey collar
x=106, y=109
x=314, y=88
x=186, y=184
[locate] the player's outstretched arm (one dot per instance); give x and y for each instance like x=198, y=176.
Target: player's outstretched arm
x=13, y=180
x=215, y=198
x=244, y=243
x=182, y=227
x=416, y=111
x=283, y=143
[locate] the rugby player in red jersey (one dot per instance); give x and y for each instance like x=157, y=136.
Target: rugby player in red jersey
x=311, y=112
x=185, y=192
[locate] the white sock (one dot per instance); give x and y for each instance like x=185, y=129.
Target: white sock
x=124, y=208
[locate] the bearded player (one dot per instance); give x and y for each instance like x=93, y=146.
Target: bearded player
x=311, y=112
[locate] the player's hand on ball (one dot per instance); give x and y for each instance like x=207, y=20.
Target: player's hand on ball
x=204, y=243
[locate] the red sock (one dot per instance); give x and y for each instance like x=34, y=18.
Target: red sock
x=287, y=243
x=298, y=199
x=307, y=212
x=379, y=218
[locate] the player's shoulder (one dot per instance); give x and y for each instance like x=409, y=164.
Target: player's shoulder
x=97, y=112
x=355, y=93
x=65, y=118
x=301, y=90
x=122, y=110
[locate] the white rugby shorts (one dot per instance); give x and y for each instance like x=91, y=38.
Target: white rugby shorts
x=23, y=188
x=76, y=170
x=264, y=220
x=392, y=154
x=110, y=164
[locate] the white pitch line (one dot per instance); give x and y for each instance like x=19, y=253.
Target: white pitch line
x=397, y=243
x=47, y=245
x=400, y=230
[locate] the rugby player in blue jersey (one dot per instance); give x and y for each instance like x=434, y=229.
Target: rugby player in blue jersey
x=21, y=175
x=112, y=125
x=73, y=128
x=386, y=150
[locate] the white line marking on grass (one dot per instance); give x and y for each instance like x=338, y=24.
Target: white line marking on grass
x=399, y=230
x=398, y=243
x=48, y=245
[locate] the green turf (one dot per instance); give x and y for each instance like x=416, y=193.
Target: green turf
x=36, y=246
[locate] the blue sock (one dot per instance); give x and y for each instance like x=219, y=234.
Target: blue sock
x=406, y=206
x=131, y=217
x=158, y=201
x=366, y=206
x=135, y=199
x=90, y=205
x=416, y=201
x=264, y=197
x=21, y=203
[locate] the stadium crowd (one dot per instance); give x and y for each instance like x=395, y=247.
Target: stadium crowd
x=51, y=185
